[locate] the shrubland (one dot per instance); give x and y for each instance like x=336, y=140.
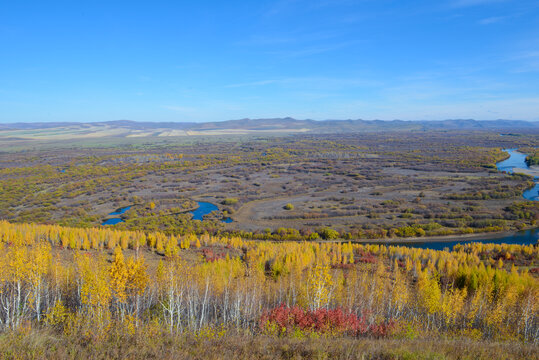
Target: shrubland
x=362, y=186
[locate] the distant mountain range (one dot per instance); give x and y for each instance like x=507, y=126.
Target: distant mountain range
x=127, y=128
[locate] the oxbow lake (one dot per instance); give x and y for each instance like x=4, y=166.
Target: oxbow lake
x=204, y=208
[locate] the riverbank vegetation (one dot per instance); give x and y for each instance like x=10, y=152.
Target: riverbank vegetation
x=88, y=287
x=359, y=186
x=533, y=155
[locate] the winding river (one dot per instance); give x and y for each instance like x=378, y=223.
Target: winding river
x=204, y=208
x=518, y=160
x=526, y=237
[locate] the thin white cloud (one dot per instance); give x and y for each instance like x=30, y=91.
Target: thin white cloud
x=492, y=20
x=256, y=83
x=144, y=78
x=525, y=61
x=291, y=37
x=313, y=50
x=182, y=109
x=280, y=7
x=468, y=3
x=521, y=108
x=531, y=54
x=311, y=82
x=525, y=108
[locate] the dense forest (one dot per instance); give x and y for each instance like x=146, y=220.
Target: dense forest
x=93, y=287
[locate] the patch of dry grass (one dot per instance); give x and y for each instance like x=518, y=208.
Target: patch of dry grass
x=49, y=345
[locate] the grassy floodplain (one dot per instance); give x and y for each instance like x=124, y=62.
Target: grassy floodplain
x=289, y=277
x=353, y=187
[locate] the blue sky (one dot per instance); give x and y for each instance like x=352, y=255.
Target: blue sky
x=220, y=60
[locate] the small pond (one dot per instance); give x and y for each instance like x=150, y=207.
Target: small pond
x=112, y=221
x=205, y=208
x=117, y=220
x=120, y=211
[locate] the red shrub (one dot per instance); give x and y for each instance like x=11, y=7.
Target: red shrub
x=366, y=257
x=288, y=319
x=210, y=256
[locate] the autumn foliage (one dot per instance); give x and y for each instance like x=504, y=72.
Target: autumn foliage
x=286, y=320
x=85, y=282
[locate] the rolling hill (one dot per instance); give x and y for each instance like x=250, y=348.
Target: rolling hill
x=128, y=128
